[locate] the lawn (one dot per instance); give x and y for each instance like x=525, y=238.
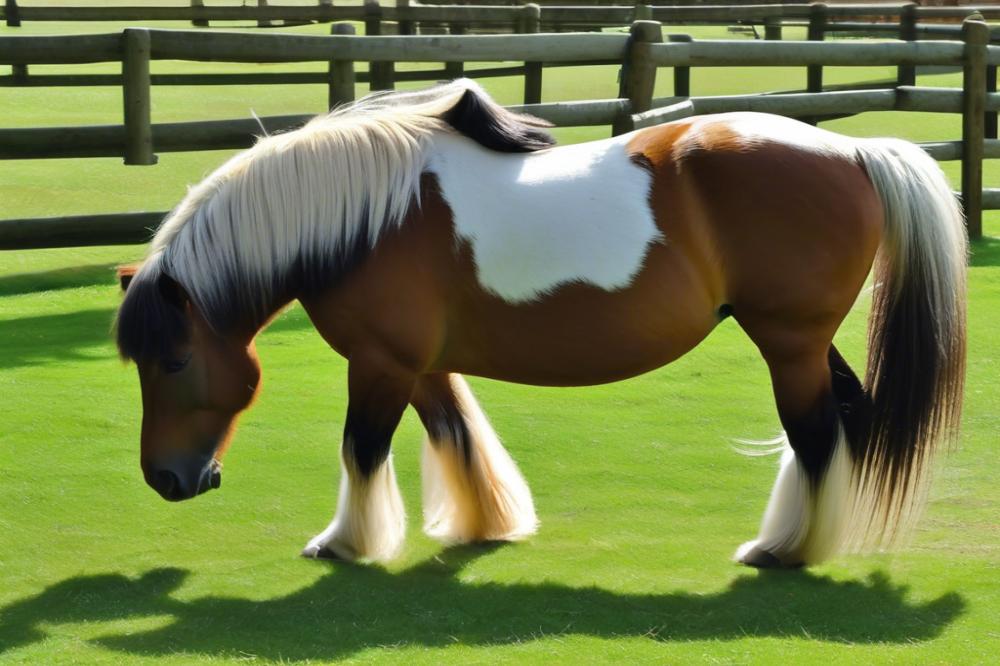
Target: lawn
x=641, y=496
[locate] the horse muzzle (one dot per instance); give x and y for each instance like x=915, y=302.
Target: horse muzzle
x=181, y=481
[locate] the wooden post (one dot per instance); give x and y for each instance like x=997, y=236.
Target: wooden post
x=199, y=23
x=772, y=28
x=906, y=75
x=341, y=77
x=531, y=22
x=135, y=95
x=642, y=12
x=638, y=76
x=816, y=33
x=405, y=27
x=373, y=18
x=263, y=23
x=12, y=13
x=976, y=35
x=682, y=75
x=455, y=70
x=382, y=74
x=991, y=116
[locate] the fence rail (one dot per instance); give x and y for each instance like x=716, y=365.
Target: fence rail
x=482, y=14
x=641, y=54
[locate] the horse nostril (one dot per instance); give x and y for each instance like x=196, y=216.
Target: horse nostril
x=167, y=484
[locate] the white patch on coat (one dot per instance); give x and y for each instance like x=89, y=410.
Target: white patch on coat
x=540, y=220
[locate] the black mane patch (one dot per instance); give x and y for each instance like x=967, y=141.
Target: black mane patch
x=151, y=322
x=478, y=117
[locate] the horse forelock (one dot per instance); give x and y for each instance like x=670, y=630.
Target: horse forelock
x=297, y=210
x=149, y=326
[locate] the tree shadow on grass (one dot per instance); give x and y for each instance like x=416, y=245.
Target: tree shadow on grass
x=355, y=608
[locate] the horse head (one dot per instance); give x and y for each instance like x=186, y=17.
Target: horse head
x=194, y=381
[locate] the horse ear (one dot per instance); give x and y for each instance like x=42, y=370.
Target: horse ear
x=173, y=292
x=126, y=273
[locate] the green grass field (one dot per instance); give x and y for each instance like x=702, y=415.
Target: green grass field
x=641, y=496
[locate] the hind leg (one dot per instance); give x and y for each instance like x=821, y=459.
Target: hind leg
x=370, y=522
x=473, y=490
x=810, y=504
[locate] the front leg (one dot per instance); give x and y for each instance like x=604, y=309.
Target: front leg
x=370, y=522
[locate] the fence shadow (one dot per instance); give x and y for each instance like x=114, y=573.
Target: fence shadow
x=354, y=608
x=57, y=337
x=985, y=252
x=60, y=278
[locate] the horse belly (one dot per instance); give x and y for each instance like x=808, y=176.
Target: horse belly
x=580, y=334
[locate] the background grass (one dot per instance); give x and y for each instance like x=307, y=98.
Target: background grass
x=641, y=498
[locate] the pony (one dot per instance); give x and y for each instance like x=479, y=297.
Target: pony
x=436, y=234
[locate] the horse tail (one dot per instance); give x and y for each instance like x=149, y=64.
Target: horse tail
x=916, y=340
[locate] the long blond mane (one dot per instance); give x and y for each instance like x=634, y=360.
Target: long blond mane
x=297, y=206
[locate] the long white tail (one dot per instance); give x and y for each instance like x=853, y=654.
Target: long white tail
x=916, y=337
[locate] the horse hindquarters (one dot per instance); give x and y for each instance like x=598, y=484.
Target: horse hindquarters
x=856, y=473
x=473, y=490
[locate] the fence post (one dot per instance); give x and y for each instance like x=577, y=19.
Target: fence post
x=906, y=75
x=642, y=12
x=263, y=22
x=13, y=13
x=381, y=74
x=341, y=73
x=531, y=22
x=199, y=22
x=990, y=129
x=816, y=33
x=772, y=28
x=135, y=97
x=455, y=70
x=682, y=74
x=405, y=27
x=976, y=35
x=373, y=18
x=638, y=75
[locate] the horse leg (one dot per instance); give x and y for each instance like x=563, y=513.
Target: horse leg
x=473, y=490
x=808, y=512
x=370, y=522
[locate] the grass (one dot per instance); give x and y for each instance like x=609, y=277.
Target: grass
x=641, y=498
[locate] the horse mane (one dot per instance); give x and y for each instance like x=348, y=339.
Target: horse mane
x=300, y=209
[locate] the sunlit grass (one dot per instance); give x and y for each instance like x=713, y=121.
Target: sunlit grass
x=641, y=498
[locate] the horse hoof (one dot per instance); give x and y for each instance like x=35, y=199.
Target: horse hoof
x=753, y=556
x=322, y=553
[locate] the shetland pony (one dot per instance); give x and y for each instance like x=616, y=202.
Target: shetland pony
x=436, y=234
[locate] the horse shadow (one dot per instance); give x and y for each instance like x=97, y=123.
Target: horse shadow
x=354, y=608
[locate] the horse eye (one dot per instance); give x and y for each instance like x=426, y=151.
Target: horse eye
x=174, y=366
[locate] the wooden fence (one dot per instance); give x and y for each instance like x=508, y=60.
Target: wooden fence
x=641, y=54
x=407, y=15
